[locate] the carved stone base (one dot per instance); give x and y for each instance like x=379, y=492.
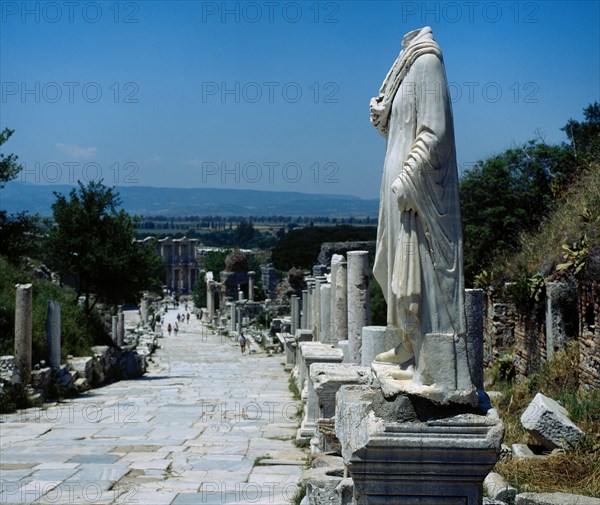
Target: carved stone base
x=393, y=457
x=441, y=374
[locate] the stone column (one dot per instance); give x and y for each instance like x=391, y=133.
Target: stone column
x=340, y=300
x=317, y=307
x=295, y=314
x=474, y=307
x=561, y=304
x=241, y=295
x=325, y=333
x=23, y=329
x=233, y=322
x=114, y=321
x=304, y=315
x=359, y=311
x=310, y=282
x=120, y=326
x=251, y=286
x=210, y=301
x=144, y=310
x=239, y=320
x=374, y=342
x=53, y=334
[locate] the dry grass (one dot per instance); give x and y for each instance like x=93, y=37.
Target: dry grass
x=577, y=213
x=572, y=472
x=576, y=471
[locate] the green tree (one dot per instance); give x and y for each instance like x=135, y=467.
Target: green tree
x=93, y=245
x=506, y=195
x=9, y=166
x=585, y=135
x=17, y=231
x=214, y=262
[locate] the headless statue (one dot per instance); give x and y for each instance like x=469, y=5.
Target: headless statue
x=418, y=262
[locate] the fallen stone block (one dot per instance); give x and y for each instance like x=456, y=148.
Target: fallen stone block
x=554, y=499
x=497, y=488
x=549, y=423
x=82, y=385
x=84, y=366
x=40, y=379
x=522, y=451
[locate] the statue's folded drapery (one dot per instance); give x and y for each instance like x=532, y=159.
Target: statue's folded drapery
x=418, y=262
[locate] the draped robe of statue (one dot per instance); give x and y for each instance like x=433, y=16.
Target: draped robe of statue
x=418, y=261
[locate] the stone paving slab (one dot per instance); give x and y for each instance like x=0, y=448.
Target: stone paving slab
x=205, y=425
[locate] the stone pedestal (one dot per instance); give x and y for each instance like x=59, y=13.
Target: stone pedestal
x=23, y=329
x=325, y=334
x=327, y=378
x=398, y=453
x=474, y=308
x=359, y=312
x=312, y=352
x=53, y=334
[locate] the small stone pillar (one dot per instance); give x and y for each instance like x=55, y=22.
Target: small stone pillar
x=295, y=314
x=310, y=315
x=233, y=321
x=210, y=301
x=53, y=334
x=241, y=296
x=340, y=299
x=561, y=303
x=144, y=310
x=325, y=333
x=304, y=313
x=317, y=306
x=375, y=340
x=251, y=275
x=239, y=319
x=23, y=329
x=359, y=310
x=474, y=307
x=114, y=328
x=120, y=326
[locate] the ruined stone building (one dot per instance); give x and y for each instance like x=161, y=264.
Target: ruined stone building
x=181, y=264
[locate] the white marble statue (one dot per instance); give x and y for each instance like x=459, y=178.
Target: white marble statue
x=418, y=261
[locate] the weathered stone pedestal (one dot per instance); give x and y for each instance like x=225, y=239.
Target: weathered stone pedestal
x=326, y=379
x=312, y=352
x=401, y=452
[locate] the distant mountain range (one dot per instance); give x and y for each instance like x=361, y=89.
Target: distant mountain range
x=152, y=201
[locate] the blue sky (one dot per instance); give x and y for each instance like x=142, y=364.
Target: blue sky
x=273, y=95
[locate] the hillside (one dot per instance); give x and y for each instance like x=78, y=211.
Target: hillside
x=149, y=201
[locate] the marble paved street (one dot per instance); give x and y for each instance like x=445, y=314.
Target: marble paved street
x=205, y=425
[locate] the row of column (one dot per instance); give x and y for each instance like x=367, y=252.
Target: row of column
x=336, y=307
x=24, y=330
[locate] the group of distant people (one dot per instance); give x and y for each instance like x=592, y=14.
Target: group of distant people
x=181, y=318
